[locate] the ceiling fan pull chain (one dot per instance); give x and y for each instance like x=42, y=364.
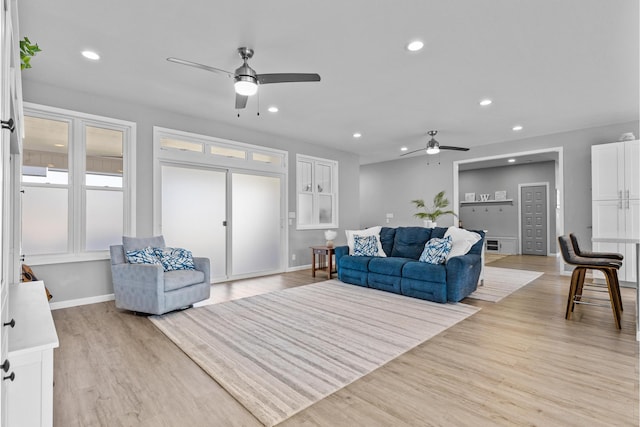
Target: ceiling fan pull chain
x=258, y=102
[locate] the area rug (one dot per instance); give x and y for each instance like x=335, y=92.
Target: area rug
x=502, y=282
x=280, y=352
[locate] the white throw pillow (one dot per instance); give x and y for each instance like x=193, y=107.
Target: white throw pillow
x=461, y=241
x=372, y=231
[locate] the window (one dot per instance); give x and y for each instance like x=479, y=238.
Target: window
x=77, y=185
x=317, y=191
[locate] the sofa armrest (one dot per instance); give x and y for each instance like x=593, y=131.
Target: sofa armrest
x=463, y=273
x=340, y=251
x=203, y=264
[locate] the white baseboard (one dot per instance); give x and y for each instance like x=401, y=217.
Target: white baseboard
x=298, y=268
x=81, y=301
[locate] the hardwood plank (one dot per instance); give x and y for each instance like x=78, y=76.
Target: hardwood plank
x=516, y=362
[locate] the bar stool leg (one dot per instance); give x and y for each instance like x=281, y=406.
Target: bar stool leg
x=572, y=292
x=611, y=286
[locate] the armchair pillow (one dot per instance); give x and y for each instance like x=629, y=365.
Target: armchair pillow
x=142, y=256
x=436, y=250
x=175, y=259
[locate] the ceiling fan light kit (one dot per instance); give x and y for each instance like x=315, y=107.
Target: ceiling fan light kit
x=434, y=147
x=246, y=80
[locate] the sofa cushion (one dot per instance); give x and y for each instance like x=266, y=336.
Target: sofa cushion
x=387, y=234
x=461, y=241
x=409, y=241
x=424, y=271
x=359, y=263
x=372, y=231
x=178, y=279
x=366, y=245
x=436, y=250
x=391, y=266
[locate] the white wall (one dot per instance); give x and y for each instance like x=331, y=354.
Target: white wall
x=389, y=187
x=89, y=279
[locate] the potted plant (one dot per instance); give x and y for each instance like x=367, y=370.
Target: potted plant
x=431, y=215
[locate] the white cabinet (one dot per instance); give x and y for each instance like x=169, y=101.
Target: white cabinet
x=31, y=344
x=501, y=245
x=615, y=193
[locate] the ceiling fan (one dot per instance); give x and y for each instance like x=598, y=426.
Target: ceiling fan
x=246, y=80
x=434, y=147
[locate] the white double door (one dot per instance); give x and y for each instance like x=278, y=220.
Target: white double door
x=234, y=218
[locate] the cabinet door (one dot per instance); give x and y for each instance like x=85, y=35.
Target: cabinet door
x=607, y=171
x=608, y=218
x=632, y=169
x=632, y=219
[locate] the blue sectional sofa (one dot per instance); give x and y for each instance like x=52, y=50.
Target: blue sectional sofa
x=402, y=273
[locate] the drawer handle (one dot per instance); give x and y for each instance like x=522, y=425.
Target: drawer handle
x=10, y=377
x=6, y=365
x=11, y=323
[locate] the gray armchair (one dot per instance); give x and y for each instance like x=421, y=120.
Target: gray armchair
x=147, y=288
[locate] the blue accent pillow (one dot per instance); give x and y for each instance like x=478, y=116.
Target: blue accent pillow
x=175, y=259
x=142, y=256
x=365, y=246
x=436, y=250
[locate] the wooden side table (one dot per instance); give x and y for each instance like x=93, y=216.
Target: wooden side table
x=325, y=257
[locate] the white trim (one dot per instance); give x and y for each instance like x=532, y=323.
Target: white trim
x=298, y=268
x=531, y=184
x=77, y=123
x=81, y=301
x=559, y=178
x=315, y=161
x=203, y=159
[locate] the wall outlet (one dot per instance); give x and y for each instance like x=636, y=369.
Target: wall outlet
x=293, y=257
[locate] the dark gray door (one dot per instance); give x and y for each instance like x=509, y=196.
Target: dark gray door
x=533, y=201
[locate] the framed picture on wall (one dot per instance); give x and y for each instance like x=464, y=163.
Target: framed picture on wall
x=501, y=195
x=469, y=197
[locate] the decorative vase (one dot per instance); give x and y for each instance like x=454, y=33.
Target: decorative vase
x=429, y=224
x=329, y=235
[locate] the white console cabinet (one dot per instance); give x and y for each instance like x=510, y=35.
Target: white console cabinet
x=31, y=344
x=501, y=245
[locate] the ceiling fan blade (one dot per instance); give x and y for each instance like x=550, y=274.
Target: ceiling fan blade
x=241, y=101
x=201, y=66
x=287, y=78
x=446, y=147
x=411, y=152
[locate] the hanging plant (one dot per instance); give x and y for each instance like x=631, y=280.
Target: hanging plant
x=27, y=51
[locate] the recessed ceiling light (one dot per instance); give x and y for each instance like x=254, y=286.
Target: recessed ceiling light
x=486, y=102
x=511, y=160
x=357, y=135
x=415, y=46
x=89, y=54
x=403, y=148
x=517, y=128
x=273, y=109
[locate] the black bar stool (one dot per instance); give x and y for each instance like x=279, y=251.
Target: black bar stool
x=609, y=267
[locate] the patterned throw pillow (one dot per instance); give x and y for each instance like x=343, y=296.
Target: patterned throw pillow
x=365, y=246
x=175, y=259
x=142, y=256
x=436, y=250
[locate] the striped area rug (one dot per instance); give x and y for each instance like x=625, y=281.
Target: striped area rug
x=280, y=352
x=502, y=282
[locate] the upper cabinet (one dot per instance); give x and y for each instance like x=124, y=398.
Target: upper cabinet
x=616, y=171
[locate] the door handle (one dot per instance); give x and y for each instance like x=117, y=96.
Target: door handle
x=224, y=223
x=6, y=365
x=9, y=124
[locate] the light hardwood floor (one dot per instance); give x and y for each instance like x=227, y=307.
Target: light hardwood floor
x=516, y=362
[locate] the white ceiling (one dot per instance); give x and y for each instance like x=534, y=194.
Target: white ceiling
x=550, y=66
